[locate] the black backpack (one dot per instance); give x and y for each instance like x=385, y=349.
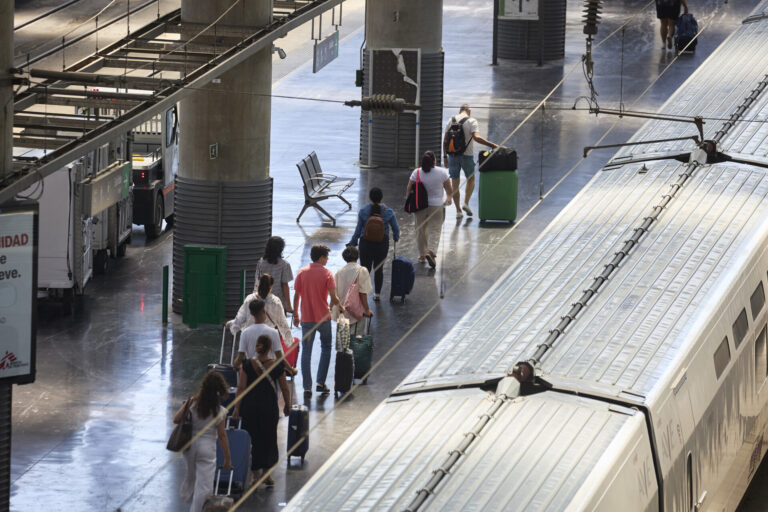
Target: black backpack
x=455, y=142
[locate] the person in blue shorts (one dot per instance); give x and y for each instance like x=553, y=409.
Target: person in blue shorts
x=466, y=160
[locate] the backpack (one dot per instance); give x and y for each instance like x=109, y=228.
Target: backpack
x=375, y=230
x=455, y=142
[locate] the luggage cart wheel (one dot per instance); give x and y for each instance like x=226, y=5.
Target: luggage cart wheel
x=302, y=460
x=402, y=301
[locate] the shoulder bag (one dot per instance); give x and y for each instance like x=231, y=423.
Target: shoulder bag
x=182, y=432
x=417, y=198
x=352, y=303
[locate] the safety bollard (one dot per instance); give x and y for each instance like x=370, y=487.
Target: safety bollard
x=165, y=294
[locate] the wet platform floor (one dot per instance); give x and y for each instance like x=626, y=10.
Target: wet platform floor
x=90, y=433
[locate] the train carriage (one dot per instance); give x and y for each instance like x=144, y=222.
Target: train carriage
x=653, y=397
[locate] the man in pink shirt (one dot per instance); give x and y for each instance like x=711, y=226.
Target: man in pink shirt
x=312, y=286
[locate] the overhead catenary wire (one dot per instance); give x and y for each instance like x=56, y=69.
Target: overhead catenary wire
x=413, y=327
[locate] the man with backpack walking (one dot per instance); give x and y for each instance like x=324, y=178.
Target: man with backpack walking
x=459, y=151
x=374, y=221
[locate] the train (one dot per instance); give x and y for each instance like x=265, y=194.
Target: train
x=621, y=362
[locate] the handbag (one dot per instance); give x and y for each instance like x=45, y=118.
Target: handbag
x=182, y=432
x=342, y=334
x=352, y=303
x=417, y=198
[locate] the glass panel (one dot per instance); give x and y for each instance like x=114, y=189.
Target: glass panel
x=722, y=357
x=757, y=300
x=761, y=363
x=740, y=327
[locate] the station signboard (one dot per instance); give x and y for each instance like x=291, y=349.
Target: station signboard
x=18, y=289
x=325, y=51
x=519, y=10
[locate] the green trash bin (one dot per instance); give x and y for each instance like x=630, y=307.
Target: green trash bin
x=498, y=187
x=205, y=270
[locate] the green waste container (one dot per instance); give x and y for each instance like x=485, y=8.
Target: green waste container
x=205, y=269
x=498, y=195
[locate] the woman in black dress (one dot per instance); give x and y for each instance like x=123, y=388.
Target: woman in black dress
x=259, y=408
x=668, y=11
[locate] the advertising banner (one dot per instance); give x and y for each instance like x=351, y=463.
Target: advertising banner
x=18, y=289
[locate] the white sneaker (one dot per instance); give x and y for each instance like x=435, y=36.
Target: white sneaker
x=459, y=214
x=466, y=209
x=376, y=297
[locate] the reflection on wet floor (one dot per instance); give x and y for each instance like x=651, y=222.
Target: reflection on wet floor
x=90, y=434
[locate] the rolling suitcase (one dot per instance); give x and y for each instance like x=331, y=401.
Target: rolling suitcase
x=226, y=370
x=345, y=361
x=240, y=454
x=219, y=502
x=686, y=28
x=497, y=195
x=403, y=276
x=298, y=430
x=362, y=350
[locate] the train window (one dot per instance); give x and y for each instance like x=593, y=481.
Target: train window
x=740, y=327
x=761, y=358
x=757, y=300
x=722, y=357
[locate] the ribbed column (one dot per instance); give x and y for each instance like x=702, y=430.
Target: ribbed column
x=391, y=140
x=226, y=200
x=414, y=27
x=6, y=91
x=237, y=214
x=535, y=39
x=6, y=401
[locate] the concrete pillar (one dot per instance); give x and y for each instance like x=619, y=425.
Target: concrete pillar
x=536, y=38
x=398, y=141
x=226, y=200
x=6, y=90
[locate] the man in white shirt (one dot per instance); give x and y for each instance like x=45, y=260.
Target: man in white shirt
x=345, y=277
x=251, y=334
x=465, y=160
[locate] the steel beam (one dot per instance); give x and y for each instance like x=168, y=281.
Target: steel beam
x=56, y=122
x=148, y=109
x=117, y=81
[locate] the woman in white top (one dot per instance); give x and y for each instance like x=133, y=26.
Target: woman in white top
x=201, y=454
x=275, y=314
x=429, y=221
x=272, y=263
x=344, y=278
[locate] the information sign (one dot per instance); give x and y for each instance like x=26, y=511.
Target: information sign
x=18, y=289
x=519, y=9
x=325, y=52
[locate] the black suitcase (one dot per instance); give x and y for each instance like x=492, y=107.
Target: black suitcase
x=298, y=430
x=226, y=370
x=345, y=370
x=500, y=159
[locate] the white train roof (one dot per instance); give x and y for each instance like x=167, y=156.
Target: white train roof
x=392, y=455
x=628, y=335
x=631, y=331
x=740, y=62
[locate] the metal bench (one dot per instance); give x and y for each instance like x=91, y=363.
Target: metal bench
x=319, y=185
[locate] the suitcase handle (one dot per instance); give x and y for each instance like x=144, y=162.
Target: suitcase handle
x=218, y=479
x=234, y=346
x=228, y=425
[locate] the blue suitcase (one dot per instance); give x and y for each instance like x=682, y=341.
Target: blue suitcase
x=298, y=432
x=240, y=453
x=686, y=28
x=403, y=277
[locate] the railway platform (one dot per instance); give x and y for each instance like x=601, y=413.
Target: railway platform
x=90, y=434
